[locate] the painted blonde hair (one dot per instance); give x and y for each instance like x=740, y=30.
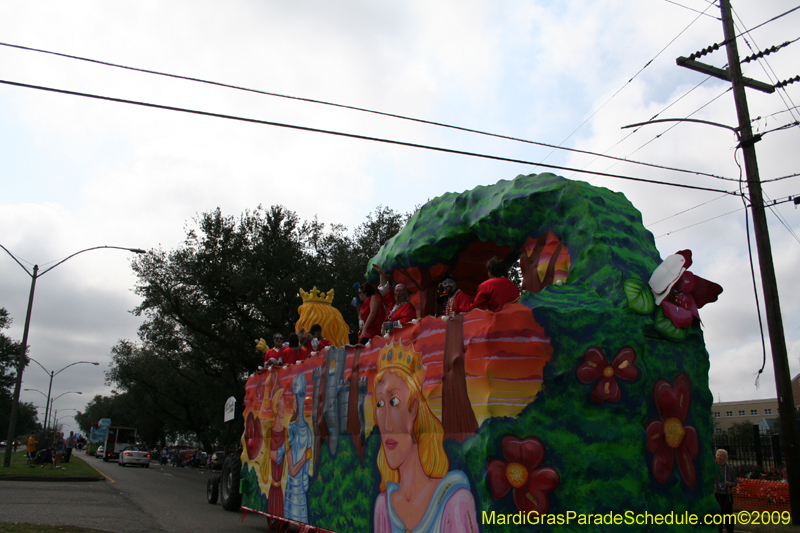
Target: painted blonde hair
x=334, y=327
x=428, y=433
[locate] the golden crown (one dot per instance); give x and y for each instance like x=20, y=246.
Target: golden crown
x=404, y=358
x=315, y=296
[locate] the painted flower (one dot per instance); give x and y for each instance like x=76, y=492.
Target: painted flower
x=670, y=437
x=679, y=292
x=595, y=365
x=531, y=485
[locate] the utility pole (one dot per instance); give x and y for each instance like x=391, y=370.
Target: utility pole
x=783, y=380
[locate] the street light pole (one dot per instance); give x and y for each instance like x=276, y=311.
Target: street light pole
x=21, y=363
x=53, y=374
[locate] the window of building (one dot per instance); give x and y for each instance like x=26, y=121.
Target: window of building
x=716, y=414
x=717, y=430
x=728, y=413
x=753, y=412
x=741, y=412
x=768, y=411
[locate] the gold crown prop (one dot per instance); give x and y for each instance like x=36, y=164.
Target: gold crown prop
x=315, y=296
x=403, y=358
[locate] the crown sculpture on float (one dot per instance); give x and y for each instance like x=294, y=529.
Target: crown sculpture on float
x=317, y=308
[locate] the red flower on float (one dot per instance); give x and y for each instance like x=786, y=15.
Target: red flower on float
x=680, y=292
x=670, y=437
x=531, y=485
x=595, y=365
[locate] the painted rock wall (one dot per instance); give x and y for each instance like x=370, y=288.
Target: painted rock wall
x=569, y=401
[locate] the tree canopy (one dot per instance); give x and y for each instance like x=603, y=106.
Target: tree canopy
x=27, y=419
x=231, y=281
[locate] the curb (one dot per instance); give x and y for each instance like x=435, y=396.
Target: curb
x=50, y=478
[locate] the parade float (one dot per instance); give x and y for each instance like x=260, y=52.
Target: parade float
x=586, y=397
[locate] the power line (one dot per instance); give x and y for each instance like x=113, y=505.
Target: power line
x=651, y=118
x=676, y=124
x=781, y=178
x=766, y=21
x=789, y=199
x=353, y=108
x=686, y=210
x=784, y=95
x=624, y=85
x=693, y=9
x=352, y=135
x=701, y=222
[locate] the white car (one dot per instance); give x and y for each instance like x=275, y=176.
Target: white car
x=132, y=455
x=99, y=452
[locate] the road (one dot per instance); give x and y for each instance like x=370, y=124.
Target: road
x=131, y=500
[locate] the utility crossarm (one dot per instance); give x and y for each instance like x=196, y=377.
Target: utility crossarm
x=723, y=74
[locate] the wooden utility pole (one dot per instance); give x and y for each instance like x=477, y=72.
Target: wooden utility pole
x=783, y=380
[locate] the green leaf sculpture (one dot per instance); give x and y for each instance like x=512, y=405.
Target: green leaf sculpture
x=665, y=326
x=640, y=297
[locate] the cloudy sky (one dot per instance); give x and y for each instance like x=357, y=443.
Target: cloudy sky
x=77, y=172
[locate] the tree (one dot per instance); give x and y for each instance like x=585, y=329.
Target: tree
x=231, y=281
x=9, y=352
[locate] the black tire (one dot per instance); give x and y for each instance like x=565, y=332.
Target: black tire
x=105, y=458
x=120, y=463
x=212, y=490
x=229, y=481
x=147, y=466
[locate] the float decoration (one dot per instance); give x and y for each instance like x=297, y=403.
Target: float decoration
x=499, y=385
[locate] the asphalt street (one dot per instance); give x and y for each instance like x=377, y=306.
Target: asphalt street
x=130, y=500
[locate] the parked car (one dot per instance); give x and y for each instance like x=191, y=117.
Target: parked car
x=99, y=453
x=132, y=455
x=216, y=460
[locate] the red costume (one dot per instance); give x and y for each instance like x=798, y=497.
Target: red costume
x=324, y=343
x=375, y=327
x=458, y=303
x=403, y=314
x=321, y=345
x=292, y=356
x=275, y=496
x=274, y=353
x=494, y=293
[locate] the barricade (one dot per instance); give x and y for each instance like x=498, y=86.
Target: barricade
x=761, y=495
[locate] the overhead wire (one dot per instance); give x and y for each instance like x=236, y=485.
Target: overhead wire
x=624, y=85
x=651, y=118
x=348, y=135
x=333, y=104
x=752, y=269
x=692, y=9
x=783, y=94
x=781, y=178
x=686, y=210
x=675, y=125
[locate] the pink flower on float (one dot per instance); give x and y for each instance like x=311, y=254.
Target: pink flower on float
x=595, y=365
x=531, y=485
x=679, y=292
x=669, y=437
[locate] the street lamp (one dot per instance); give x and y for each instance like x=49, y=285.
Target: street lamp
x=56, y=418
x=52, y=375
x=56, y=398
x=12, y=422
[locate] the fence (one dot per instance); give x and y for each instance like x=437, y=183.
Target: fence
x=762, y=450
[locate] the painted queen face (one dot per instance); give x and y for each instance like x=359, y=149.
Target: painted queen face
x=280, y=408
x=395, y=419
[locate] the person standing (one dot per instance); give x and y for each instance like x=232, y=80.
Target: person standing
x=498, y=290
x=68, y=447
x=457, y=301
x=723, y=489
x=30, y=449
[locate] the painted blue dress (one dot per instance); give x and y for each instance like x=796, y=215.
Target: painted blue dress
x=451, y=509
x=295, y=506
